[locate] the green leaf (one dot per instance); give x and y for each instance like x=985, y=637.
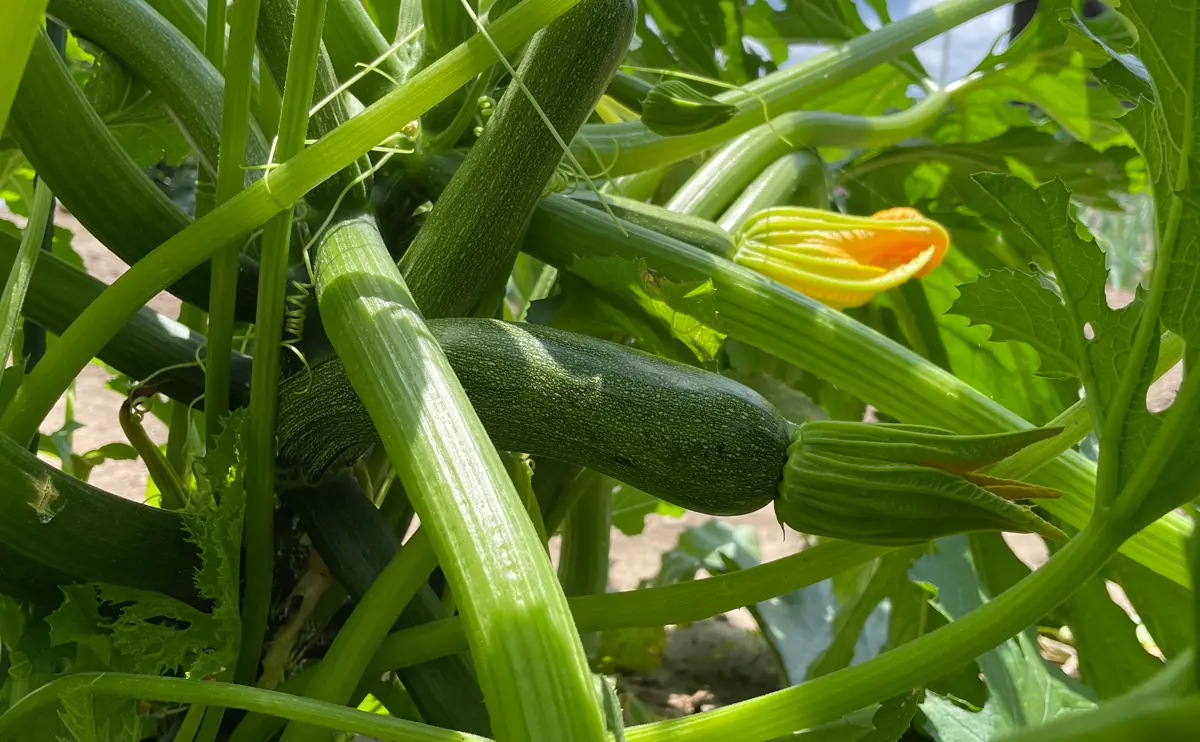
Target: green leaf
x=1084, y=332
x=77, y=620
x=687, y=309
x=884, y=722
x=1017, y=307
x=154, y=633
x=1111, y=659
x=857, y=621
x=942, y=172
x=1163, y=125
x=947, y=721
x=716, y=547
x=1003, y=371
x=1024, y=690
x=104, y=720
x=704, y=37
x=135, y=116
x=1157, y=601
x=672, y=108
x=631, y=506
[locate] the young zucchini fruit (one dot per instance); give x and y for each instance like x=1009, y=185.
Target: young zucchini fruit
x=691, y=437
x=471, y=236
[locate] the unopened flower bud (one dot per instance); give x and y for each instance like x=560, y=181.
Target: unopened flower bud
x=904, y=484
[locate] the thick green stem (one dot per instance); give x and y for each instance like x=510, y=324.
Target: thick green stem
x=288, y=182
x=727, y=174
x=528, y=656
x=178, y=690
x=628, y=148
x=583, y=561
x=19, y=26
x=259, y=540
x=832, y=696
x=353, y=40
x=797, y=178
x=660, y=606
x=340, y=672
x=18, y=280
x=231, y=178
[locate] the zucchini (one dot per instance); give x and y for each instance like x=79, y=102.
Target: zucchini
x=691, y=437
x=72, y=532
x=472, y=235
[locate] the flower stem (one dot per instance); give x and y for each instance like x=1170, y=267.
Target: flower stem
x=178, y=690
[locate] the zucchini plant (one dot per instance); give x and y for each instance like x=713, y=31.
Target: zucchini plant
x=466, y=285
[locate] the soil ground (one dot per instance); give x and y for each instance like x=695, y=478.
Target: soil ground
x=714, y=662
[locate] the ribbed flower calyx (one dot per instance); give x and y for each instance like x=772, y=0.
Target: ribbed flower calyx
x=904, y=484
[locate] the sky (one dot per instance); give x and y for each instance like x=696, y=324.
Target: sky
x=947, y=57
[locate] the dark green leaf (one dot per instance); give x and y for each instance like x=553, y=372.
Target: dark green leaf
x=90, y=719
x=947, y=721
x=672, y=108
x=1093, y=337
x=704, y=37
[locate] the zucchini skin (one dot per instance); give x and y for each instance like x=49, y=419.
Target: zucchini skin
x=688, y=436
x=474, y=231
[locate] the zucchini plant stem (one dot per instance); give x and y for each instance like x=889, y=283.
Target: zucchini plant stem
x=235, y=133
x=17, y=285
x=352, y=39
x=340, y=672
x=830, y=697
x=264, y=376
x=531, y=666
x=183, y=690
x=583, y=560
x=727, y=174
x=235, y=218
x=619, y=149
x=651, y=607
x=19, y=26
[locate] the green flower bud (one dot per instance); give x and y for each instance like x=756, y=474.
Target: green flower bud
x=904, y=484
x=674, y=108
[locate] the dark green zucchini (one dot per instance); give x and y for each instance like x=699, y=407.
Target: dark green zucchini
x=69, y=531
x=464, y=250
x=691, y=437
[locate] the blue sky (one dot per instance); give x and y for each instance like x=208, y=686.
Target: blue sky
x=947, y=57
